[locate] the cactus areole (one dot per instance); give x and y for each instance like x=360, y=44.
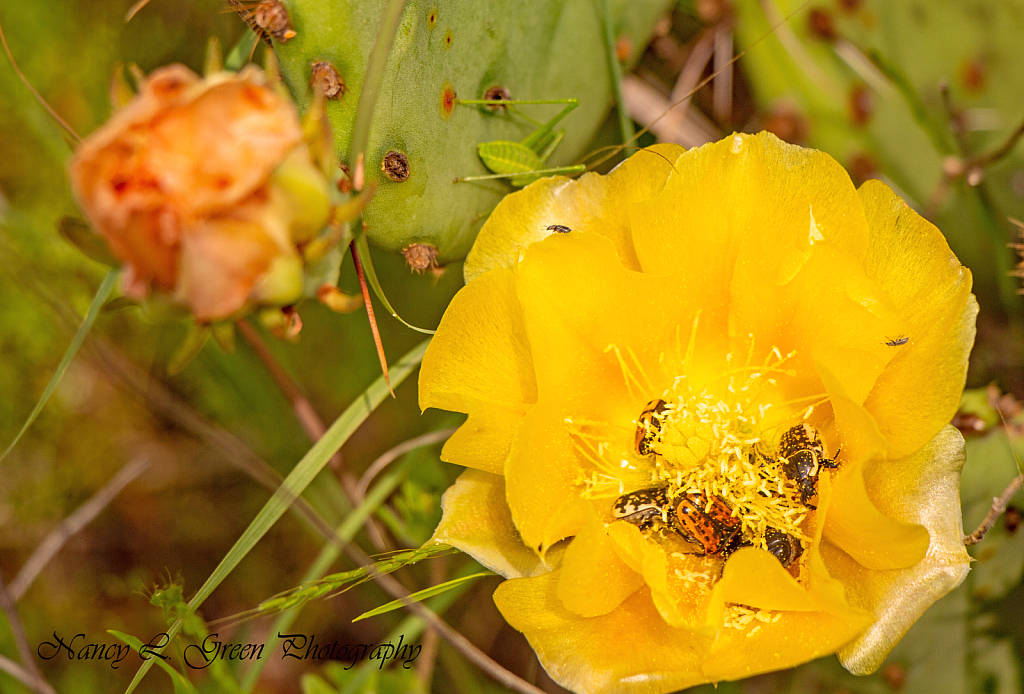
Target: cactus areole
x=535, y=49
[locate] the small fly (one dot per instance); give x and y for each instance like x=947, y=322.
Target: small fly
x=898, y=341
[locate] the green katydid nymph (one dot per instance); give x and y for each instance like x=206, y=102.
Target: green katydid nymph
x=522, y=163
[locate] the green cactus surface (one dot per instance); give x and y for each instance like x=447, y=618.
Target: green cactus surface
x=443, y=51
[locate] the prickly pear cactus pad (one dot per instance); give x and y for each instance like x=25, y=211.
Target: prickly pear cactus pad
x=445, y=51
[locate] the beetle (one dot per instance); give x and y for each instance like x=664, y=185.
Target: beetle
x=784, y=547
x=712, y=528
x=648, y=426
x=558, y=228
x=643, y=507
x=803, y=455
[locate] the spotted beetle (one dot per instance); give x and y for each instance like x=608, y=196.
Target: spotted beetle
x=714, y=529
x=648, y=426
x=642, y=508
x=786, y=548
x=803, y=455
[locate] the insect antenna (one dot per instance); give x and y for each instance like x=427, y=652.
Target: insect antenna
x=56, y=116
x=615, y=149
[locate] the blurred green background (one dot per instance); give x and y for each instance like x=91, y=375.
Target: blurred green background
x=863, y=81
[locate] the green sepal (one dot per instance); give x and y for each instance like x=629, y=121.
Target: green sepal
x=80, y=235
x=193, y=343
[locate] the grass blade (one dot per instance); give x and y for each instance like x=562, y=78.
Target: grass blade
x=102, y=293
x=181, y=685
x=299, y=478
x=421, y=595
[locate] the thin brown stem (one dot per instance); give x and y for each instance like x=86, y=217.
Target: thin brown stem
x=425, y=666
x=38, y=682
x=401, y=449
x=74, y=523
x=311, y=423
x=304, y=412
x=39, y=97
x=999, y=505
x=369, y=312
x=17, y=672
x=1001, y=151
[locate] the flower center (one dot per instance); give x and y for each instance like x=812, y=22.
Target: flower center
x=718, y=468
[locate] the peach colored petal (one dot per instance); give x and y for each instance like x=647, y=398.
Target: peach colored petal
x=220, y=262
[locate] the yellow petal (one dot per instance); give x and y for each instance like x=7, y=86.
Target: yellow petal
x=910, y=259
x=592, y=203
x=479, y=362
x=857, y=431
x=855, y=524
x=484, y=440
x=720, y=197
x=604, y=338
x=541, y=481
x=756, y=578
x=477, y=521
x=594, y=581
x=795, y=638
x=923, y=488
x=681, y=603
x=480, y=352
x=630, y=650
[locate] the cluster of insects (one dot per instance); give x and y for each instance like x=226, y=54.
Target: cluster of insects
x=709, y=523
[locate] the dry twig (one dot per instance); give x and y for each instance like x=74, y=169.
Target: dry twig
x=999, y=505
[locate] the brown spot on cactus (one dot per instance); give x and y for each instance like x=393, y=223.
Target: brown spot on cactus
x=849, y=6
x=432, y=18
x=820, y=24
x=623, y=48
x=448, y=39
x=327, y=79
x=1012, y=519
x=861, y=105
x=497, y=93
x=862, y=167
x=396, y=167
x=787, y=124
x=421, y=256
x=895, y=675
x=447, y=100
x=974, y=75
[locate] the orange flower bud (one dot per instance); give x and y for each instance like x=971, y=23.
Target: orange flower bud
x=183, y=184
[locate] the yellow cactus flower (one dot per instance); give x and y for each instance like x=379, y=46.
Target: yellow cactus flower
x=708, y=400
x=204, y=188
